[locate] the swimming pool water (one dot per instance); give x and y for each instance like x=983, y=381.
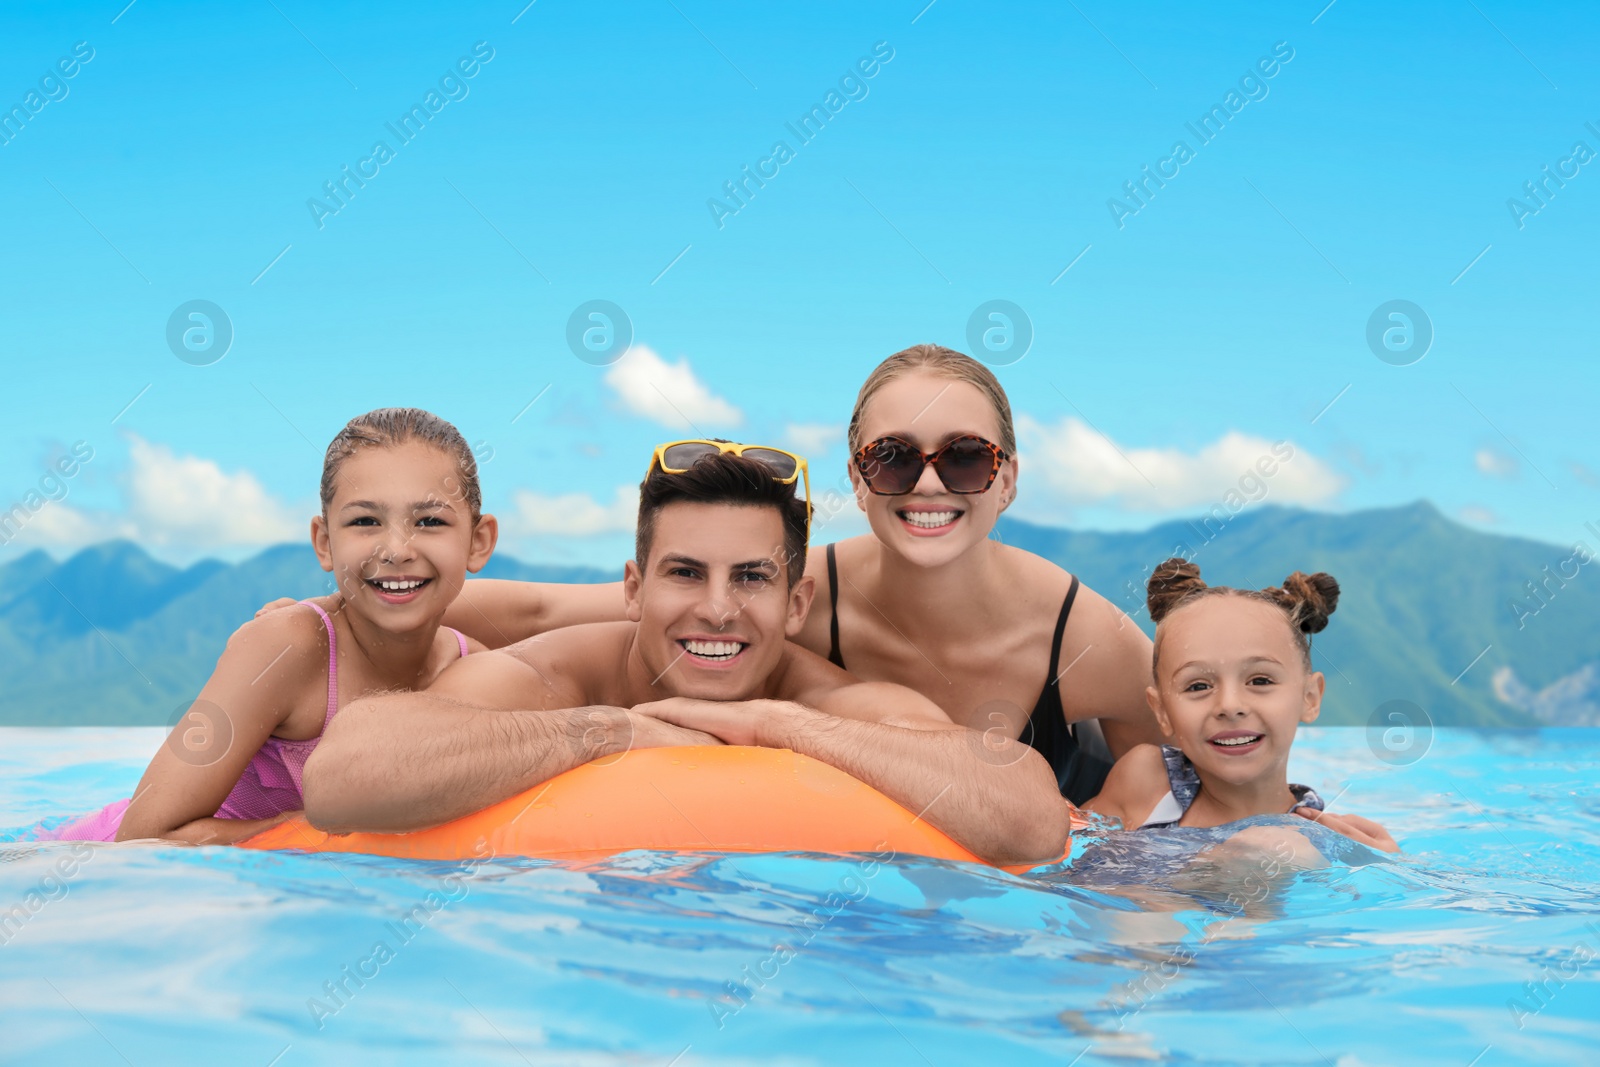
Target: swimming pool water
x=1480, y=946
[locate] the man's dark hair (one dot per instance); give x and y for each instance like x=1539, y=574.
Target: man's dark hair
x=724, y=478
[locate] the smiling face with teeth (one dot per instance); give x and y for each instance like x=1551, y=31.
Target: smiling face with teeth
x=713, y=601
x=931, y=526
x=1233, y=686
x=398, y=535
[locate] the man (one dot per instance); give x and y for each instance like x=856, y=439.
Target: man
x=713, y=593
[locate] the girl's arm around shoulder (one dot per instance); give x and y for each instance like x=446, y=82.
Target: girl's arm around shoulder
x=1133, y=788
x=498, y=612
x=566, y=668
x=271, y=666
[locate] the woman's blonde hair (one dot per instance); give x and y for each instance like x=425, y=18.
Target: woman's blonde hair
x=944, y=363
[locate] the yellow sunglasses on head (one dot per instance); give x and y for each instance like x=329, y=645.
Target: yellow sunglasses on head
x=676, y=457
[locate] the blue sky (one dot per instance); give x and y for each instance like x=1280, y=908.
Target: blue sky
x=978, y=163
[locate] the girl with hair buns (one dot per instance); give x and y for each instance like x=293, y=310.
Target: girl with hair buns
x=1234, y=684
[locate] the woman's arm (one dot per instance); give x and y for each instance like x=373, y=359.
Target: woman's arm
x=500, y=612
x=1104, y=669
x=261, y=674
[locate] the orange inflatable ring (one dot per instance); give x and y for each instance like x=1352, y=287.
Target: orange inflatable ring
x=704, y=799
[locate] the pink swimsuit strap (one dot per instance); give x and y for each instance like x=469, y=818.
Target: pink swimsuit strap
x=333, y=662
x=333, y=658
x=271, y=782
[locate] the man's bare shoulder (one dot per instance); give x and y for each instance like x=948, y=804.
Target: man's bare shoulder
x=598, y=639
x=804, y=676
x=583, y=661
x=496, y=680
x=559, y=669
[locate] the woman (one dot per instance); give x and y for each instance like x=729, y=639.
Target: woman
x=1001, y=639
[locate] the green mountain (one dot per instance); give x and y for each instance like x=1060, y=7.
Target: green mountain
x=114, y=637
x=1474, y=628
x=1430, y=611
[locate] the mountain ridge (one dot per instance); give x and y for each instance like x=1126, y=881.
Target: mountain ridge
x=1428, y=613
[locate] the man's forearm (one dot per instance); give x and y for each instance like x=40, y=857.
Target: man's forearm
x=1000, y=804
x=411, y=760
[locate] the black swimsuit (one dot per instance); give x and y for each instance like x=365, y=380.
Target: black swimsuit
x=1079, y=772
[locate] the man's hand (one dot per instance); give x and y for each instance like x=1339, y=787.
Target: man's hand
x=659, y=731
x=738, y=722
x=281, y=602
x=1356, y=828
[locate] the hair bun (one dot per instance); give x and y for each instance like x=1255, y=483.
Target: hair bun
x=1312, y=599
x=1169, y=583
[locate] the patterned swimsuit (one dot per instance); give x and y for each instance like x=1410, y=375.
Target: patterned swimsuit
x=1183, y=783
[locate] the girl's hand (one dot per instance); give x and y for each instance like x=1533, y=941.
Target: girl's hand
x=215, y=831
x=281, y=602
x=1356, y=828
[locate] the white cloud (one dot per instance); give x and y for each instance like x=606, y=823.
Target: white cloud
x=835, y=518
x=1478, y=515
x=1085, y=467
x=1572, y=700
x=61, y=524
x=669, y=393
x=189, y=502
x=813, y=439
x=184, y=505
x=571, y=514
x=60, y=527
x=1493, y=463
